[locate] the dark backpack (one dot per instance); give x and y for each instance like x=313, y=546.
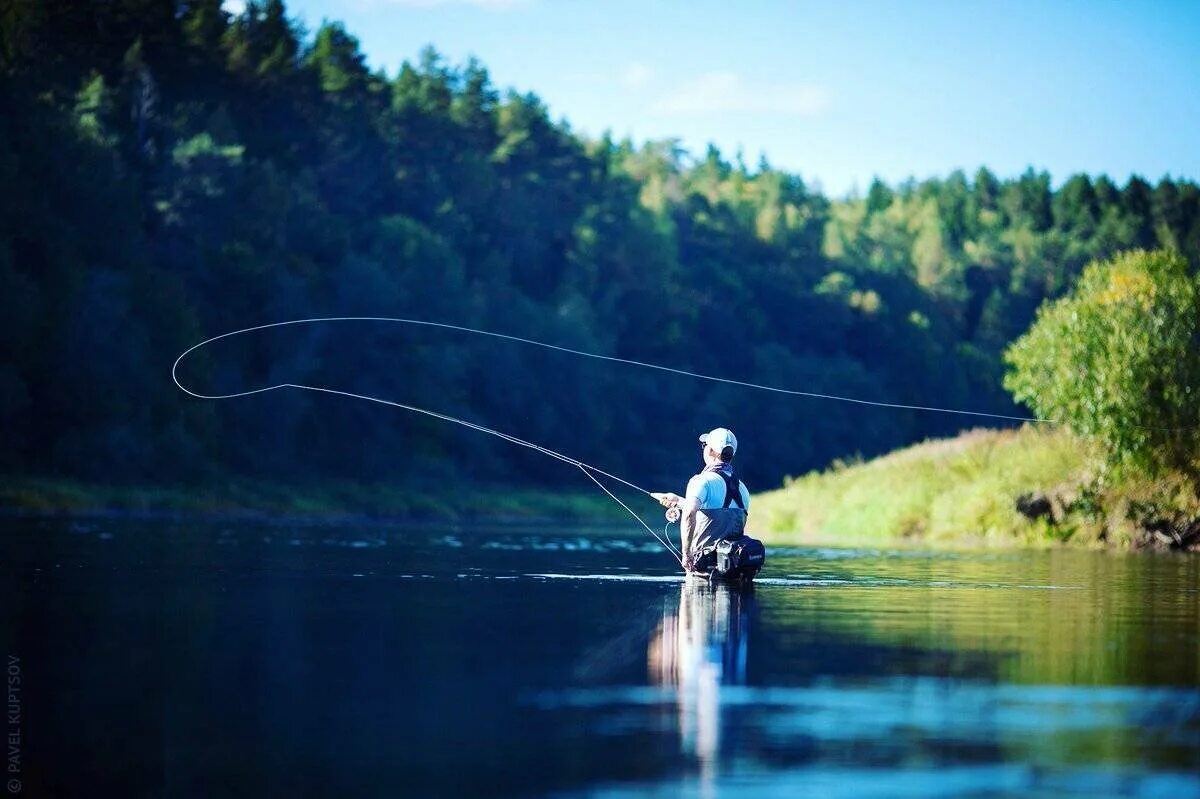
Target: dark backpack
x=739, y=558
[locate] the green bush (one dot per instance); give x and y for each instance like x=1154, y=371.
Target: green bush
x=1118, y=360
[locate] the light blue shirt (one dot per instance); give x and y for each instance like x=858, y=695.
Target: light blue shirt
x=708, y=489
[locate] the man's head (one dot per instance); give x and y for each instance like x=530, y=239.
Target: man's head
x=719, y=445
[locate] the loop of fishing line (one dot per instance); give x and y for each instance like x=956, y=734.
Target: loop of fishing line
x=667, y=535
x=586, y=468
x=586, y=354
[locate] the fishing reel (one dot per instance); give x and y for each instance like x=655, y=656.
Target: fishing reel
x=673, y=514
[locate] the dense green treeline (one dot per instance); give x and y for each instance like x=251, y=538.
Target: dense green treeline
x=1116, y=361
x=171, y=172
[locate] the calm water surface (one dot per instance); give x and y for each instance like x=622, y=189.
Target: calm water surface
x=189, y=659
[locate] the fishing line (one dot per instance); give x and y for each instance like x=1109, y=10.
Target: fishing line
x=665, y=543
x=597, y=356
x=587, y=469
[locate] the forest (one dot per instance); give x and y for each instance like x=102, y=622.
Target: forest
x=172, y=172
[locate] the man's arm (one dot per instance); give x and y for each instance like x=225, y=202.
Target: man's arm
x=687, y=525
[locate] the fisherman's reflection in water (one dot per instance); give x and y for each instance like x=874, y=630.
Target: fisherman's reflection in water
x=700, y=645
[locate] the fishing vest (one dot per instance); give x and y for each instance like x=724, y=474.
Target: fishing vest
x=723, y=523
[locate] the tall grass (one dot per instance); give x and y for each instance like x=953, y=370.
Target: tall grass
x=953, y=491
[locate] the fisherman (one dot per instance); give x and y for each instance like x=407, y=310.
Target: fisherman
x=715, y=504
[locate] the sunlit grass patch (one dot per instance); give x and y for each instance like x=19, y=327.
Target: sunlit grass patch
x=953, y=491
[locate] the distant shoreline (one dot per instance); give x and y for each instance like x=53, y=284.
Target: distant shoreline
x=984, y=489
x=328, y=503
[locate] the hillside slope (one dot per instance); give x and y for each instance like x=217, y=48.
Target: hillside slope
x=965, y=491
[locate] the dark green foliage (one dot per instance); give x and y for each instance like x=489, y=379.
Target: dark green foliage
x=171, y=172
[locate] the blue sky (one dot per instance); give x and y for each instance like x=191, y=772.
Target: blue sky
x=837, y=92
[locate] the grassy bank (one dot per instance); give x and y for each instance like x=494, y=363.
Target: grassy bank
x=965, y=491
x=325, y=499
x=1036, y=486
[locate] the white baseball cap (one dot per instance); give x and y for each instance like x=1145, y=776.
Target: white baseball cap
x=719, y=439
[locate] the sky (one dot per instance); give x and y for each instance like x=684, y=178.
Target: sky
x=836, y=92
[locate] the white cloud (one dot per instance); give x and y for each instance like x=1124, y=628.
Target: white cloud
x=715, y=92
x=636, y=75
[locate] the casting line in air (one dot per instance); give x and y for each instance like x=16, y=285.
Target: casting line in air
x=587, y=469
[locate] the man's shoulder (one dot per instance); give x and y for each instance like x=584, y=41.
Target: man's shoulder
x=701, y=480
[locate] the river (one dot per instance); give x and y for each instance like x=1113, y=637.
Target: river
x=176, y=658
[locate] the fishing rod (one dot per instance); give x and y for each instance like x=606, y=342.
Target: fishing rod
x=589, y=470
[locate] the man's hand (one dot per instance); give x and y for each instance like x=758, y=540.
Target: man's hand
x=668, y=499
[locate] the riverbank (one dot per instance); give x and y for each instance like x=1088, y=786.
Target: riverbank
x=332, y=500
x=1032, y=487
